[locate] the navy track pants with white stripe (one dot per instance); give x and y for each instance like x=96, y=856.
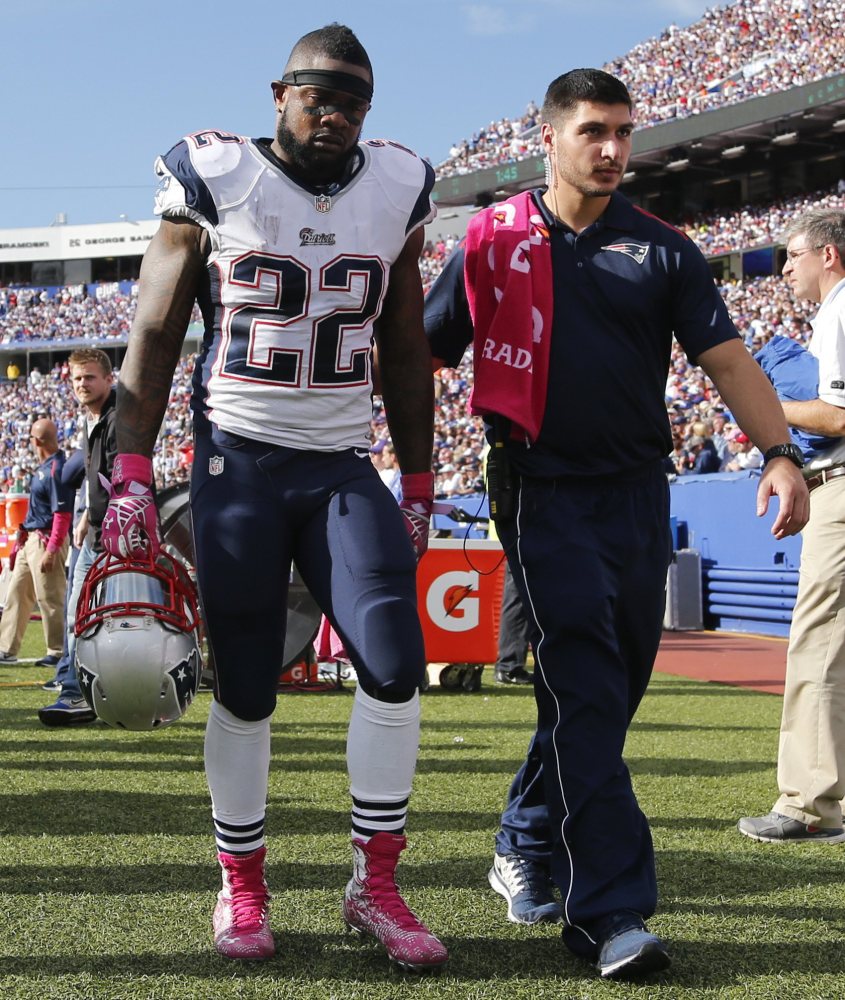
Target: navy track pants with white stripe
x=590, y=559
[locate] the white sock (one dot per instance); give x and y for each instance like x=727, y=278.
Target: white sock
x=381, y=757
x=237, y=767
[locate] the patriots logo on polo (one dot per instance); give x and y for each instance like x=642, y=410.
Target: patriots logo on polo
x=185, y=677
x=636, y=251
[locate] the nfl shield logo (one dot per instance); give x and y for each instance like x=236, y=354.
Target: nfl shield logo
x=323, y=203
x=215, y=465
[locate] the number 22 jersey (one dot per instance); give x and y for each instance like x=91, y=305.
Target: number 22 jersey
x=297, y=277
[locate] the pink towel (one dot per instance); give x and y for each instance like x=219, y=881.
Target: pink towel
x=328, y=645
x=508, y=272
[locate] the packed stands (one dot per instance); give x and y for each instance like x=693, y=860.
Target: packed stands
x=734, y=52
x=762, y=309
x=731, y=53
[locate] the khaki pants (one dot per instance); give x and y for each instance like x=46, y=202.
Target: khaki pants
x=28, y=584
x=811, y=758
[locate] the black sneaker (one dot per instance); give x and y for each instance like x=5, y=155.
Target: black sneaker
x=775, y=828
x=47, y=661
x=67, y=712
x=519, y=675
x=53, y=686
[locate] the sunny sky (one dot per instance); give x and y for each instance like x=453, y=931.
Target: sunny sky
x=95, y=89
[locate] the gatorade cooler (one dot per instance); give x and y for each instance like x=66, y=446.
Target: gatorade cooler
x=17, y=505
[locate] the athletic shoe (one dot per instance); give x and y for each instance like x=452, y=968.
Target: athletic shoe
x=629, y=951
x=372, y=906
x=519, y=675
x=528, y=889
x=241, y=918
x=47, y=661
x=7, y=657
x=53, y=686
x=776, y=828
x=67, y=712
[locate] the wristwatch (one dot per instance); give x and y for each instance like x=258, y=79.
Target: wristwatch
x=790, y=451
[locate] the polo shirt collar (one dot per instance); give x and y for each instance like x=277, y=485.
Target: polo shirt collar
x=619, y=213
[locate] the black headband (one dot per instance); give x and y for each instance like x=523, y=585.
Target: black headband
x=330, y=80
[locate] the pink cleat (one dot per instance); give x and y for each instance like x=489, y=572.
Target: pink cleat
x=372, y=905
x=241, y=919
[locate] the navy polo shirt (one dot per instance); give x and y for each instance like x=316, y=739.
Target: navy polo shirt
x=622, y=288
x=48, y=494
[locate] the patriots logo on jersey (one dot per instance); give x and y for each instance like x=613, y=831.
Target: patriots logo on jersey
x=637, y=251
x=308, y=238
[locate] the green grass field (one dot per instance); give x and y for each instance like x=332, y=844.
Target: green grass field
x=108, y=870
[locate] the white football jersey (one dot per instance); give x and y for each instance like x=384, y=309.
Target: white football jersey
x=297, y=277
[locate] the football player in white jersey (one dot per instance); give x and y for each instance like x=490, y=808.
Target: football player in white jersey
x=302, y=252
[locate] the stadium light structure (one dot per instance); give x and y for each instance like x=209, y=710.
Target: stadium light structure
x=785, y=139
x=676, y=166
x=732, y=152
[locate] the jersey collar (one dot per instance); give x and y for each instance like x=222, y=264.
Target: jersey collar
x=353, y=168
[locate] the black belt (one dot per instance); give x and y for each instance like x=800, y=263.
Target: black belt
x=824, y=475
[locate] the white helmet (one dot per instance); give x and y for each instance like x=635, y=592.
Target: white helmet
x=137, y=647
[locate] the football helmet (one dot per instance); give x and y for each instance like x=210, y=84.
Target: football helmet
x=137, y=640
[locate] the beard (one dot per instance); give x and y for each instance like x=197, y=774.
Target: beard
x=586, y=184
x=318, y=165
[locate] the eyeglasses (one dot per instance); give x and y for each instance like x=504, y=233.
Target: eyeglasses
x=793, y=255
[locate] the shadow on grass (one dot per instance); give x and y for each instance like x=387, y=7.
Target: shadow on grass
x=694, y=767
x=695, y=824
x=643, y=726
x=71, y=813
x=337, y=958
x=735, y=880
x=754, y=871
x=153, y=879
x=449, y=759
x=711, y=689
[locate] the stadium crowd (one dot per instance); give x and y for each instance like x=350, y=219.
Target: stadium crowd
x=726, y=55
x=762, y=308
x=31, y=314
x=734, y=52
x=756, y=225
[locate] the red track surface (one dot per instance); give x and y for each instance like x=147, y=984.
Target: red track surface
x=751, y=661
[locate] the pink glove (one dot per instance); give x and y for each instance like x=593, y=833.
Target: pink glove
x=416, y=504
x=131, y=521
x=20, y=541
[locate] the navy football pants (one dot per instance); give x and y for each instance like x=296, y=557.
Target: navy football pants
x=590, y=560
x=328, y=512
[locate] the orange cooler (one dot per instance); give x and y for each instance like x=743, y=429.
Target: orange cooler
x=459, y=596
x=17, y=505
